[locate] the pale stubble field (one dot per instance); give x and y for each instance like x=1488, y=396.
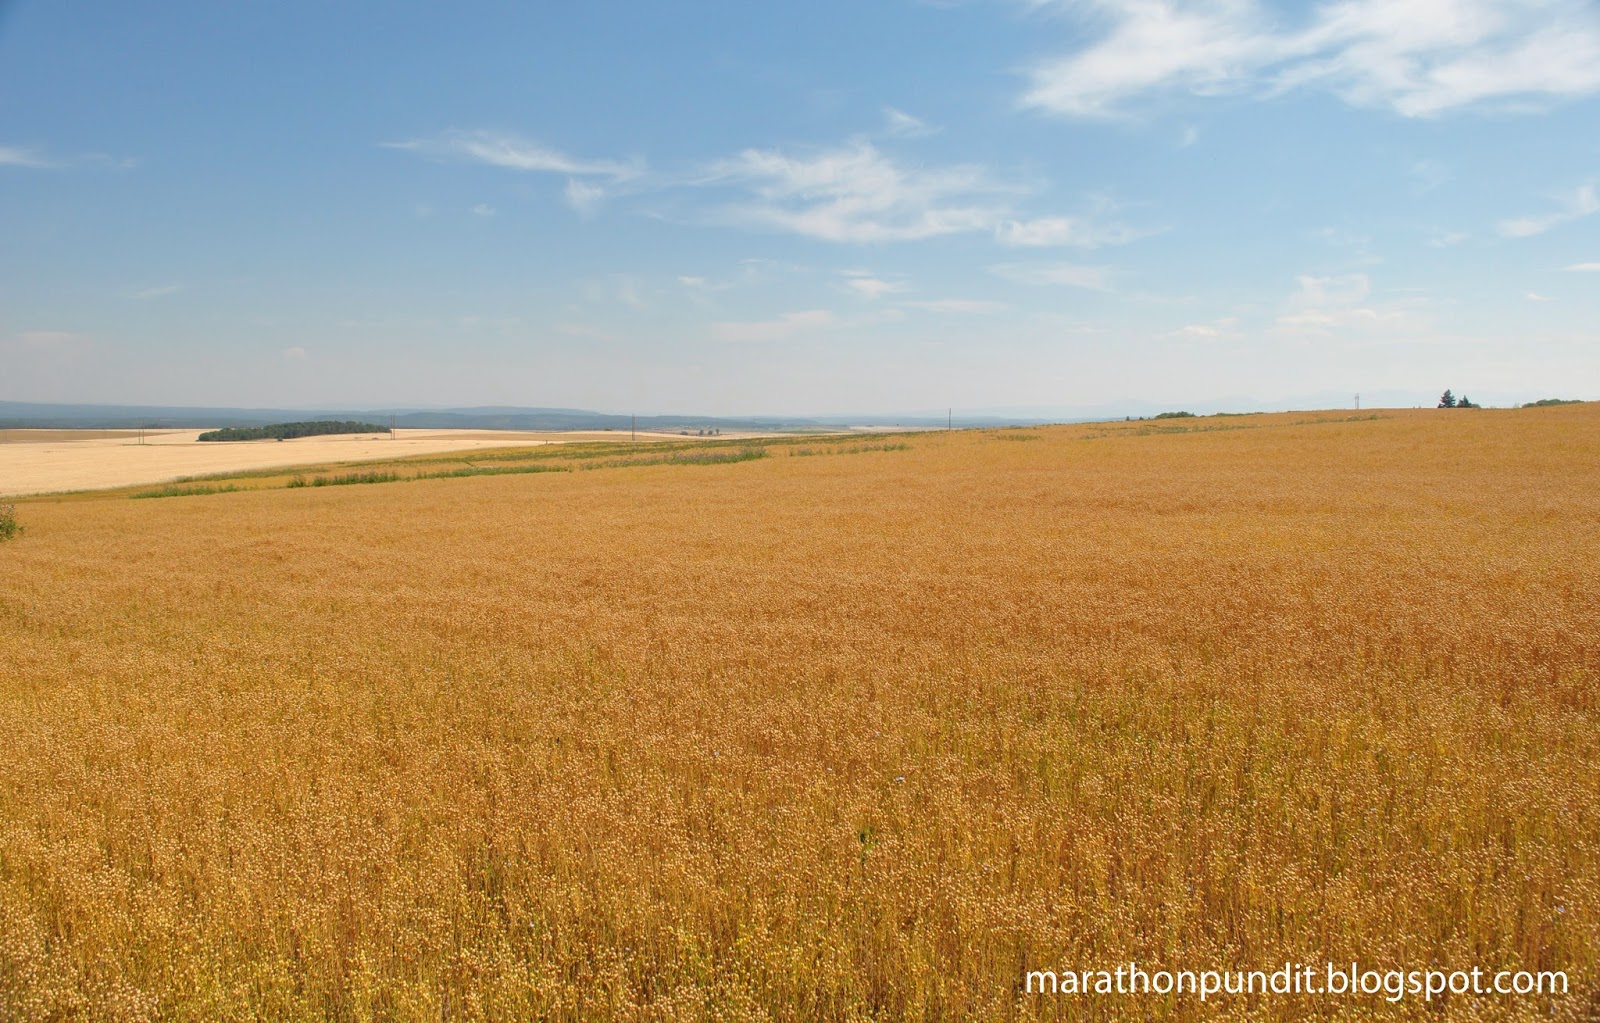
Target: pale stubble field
x=51, y=461
x=844, y=737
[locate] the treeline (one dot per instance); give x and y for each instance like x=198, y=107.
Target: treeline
x=283, y=431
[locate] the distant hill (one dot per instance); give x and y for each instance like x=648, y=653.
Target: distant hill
x=25, y=415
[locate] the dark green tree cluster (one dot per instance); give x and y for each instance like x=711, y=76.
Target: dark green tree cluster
x=283, y=431
x=1448, y=400
x=1547, y=402
x=1174, y=415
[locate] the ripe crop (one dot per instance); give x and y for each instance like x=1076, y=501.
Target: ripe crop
x=816, y=738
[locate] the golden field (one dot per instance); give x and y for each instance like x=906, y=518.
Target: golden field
x=859, y=736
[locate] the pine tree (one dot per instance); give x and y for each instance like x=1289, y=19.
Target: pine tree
x=1447, y=400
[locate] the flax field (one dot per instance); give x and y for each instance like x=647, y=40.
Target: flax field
x=866, y=735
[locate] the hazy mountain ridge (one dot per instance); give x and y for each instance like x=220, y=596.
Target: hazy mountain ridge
x=35, y=415
x=26, y=415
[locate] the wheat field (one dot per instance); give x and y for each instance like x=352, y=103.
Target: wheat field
x=861, y=736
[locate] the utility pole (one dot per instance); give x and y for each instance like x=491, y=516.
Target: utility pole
x=633, y=427
x=950, y=419
x=1358, y=401
x=391, y=426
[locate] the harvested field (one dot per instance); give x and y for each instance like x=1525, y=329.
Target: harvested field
x=47, y=461
x=865, y=735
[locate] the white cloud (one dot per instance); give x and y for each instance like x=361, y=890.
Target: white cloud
x=1153, y=44
x=583, y=196
x=1073, y=275
x=961, y=306
x=514, y=153
x=295, y=354
x=810, y=321
x=1429, y=174
x=26, y=156
x=903, y=125
x=585, y=330
x=1581, y=203
x=1534, y=296
x=857, y=194
x=1585, y=267
x=49, y=339
x=483, y=209
x=785, y=326
x=1226, y=327
x=870, y=286
x=612, y=290
x=1328, y=305
x=1079, y=232
x=17, y=156
x=1418, y=58
x=1446, y=239
x=150, y=294
x=1345, y=289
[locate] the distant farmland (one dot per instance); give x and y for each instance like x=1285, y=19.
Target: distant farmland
x=834, y=732
x=53, y=461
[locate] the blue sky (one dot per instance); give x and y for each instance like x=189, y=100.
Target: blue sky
x=822, y=208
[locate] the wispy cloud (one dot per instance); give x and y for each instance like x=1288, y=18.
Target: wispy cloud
x=1339, y=290
x=590, y=181
x=19, y=156
x=1076, y=232
x=1445, y=239
x=1227, y=327
x=750, y=272
x=1075, y=275
x=613, y=290
x=870, y=286
x=483, y=209
x=785, y=326
x=1428, y=175
x=1325, y=306
x=584, y=196
x=798, y=324
x=959, y=306
x=585, y=330
x=1585, y=267
x=513, y=153
x=1580, y=203
x=1534, y=296
x=49, y=339
x=903, y=125
x=27, y=156
x=151, y=294
x=858, y=194
x=1418, y=59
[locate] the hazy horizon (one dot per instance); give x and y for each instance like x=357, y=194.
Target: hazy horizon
x=1115, y=408
x=848, y=209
